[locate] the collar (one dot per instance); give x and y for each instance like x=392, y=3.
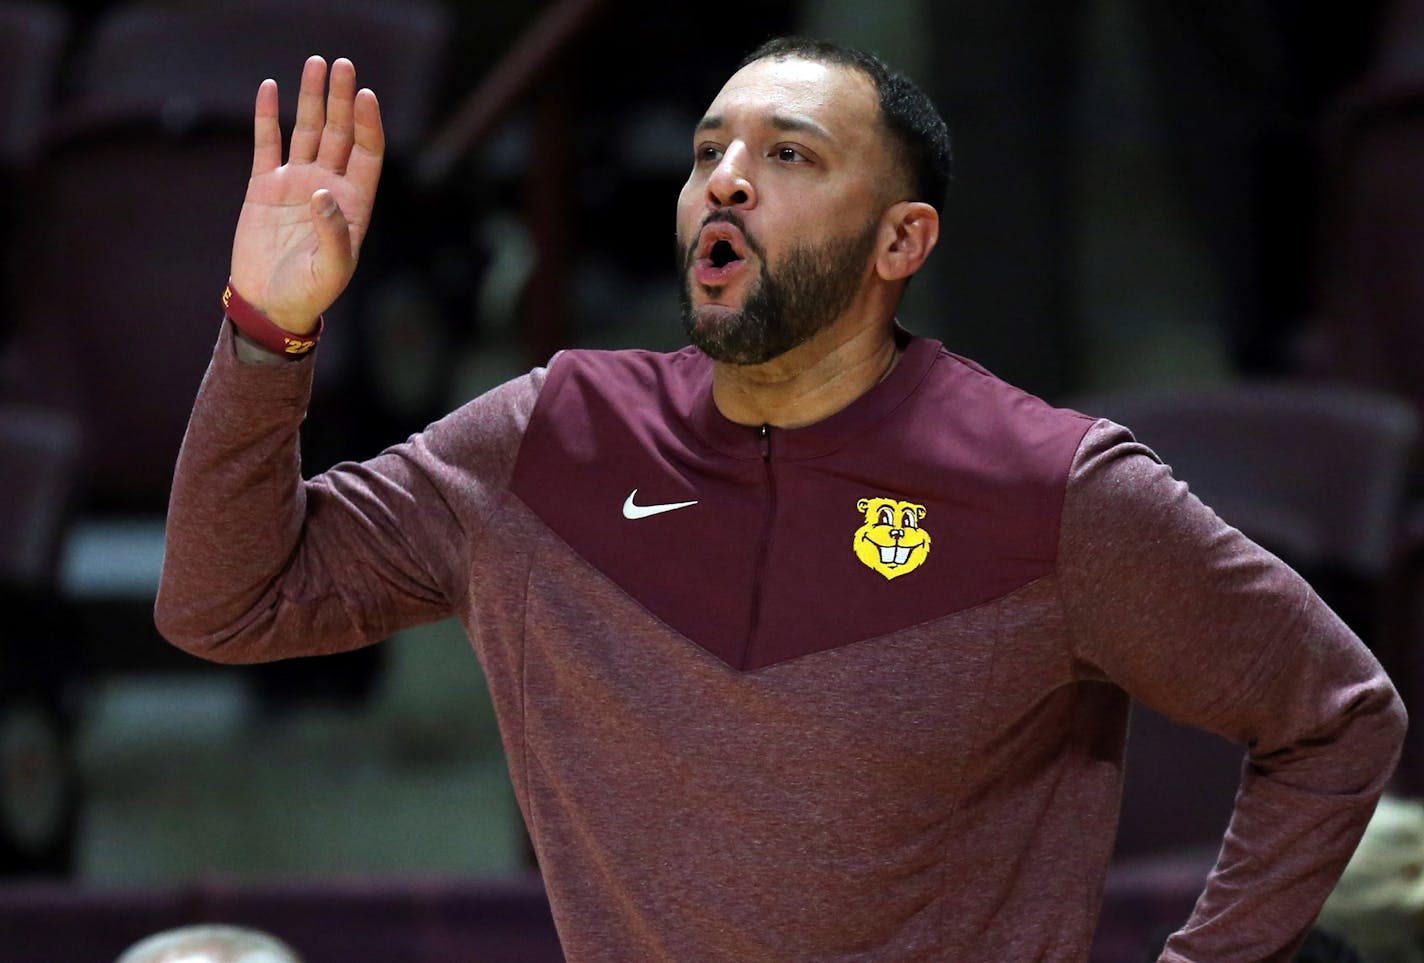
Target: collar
x=826, y=435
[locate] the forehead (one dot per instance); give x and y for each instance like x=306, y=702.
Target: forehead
x=840, y=100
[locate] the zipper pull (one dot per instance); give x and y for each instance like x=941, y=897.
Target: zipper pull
x=764, y=433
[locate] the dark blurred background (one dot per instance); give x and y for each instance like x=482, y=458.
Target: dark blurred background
x=1184, y=215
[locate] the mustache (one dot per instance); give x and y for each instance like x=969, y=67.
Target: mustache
x=724, y=217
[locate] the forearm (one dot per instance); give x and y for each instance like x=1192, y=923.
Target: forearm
x=1307, y=792
x=261, y=565
x=236, y=517
x=1190, y=617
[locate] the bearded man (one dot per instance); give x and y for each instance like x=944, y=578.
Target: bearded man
x=812, y=640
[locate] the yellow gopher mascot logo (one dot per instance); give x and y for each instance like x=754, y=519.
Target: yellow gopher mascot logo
x=891, y=541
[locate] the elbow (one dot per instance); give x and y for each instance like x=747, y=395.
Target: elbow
x=1398, y=720
x=183, y=626
x=180, y=633
x=1381, y=722
x=1391, y=717
x=1353, y=750
x=174, y=632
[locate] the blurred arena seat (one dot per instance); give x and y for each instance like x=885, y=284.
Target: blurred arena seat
x=190, y=61
x=39, y=790
x=128, y=223
x=1369, y=301
x=32, y=39
x=40, y=451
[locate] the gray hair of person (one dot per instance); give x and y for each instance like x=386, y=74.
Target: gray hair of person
x=210, y=943
x=1378, y=905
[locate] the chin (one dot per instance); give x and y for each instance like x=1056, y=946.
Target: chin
x=724, y=334
x=716, y=311
x=709, y=322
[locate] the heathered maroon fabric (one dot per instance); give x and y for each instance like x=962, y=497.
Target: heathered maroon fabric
x=761, y=569
x=935, y=785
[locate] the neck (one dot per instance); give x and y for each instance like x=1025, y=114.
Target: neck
x=810, y=382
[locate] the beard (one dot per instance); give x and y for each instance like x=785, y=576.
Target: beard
x=790, y=303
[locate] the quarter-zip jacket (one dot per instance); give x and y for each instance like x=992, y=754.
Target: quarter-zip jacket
x=851, y=691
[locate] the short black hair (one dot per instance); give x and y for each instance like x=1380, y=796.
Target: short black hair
x=920, y=136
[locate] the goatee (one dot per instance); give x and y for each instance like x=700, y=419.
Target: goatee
x=791, y=302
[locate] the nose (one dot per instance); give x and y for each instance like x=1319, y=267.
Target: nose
x=728, y=185
x=897, y=533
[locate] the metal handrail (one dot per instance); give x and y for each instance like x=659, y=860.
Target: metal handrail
x=511, y=80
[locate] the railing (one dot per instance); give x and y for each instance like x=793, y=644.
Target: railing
x=533, y=62
x=511, y=80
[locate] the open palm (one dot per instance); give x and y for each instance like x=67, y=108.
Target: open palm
x=302, y=222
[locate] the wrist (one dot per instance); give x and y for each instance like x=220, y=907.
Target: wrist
x=262, y=331
x=252, y=353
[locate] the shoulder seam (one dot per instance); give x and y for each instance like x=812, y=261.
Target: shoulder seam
x=1074, y=637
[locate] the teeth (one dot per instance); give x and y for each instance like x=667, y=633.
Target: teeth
x=894, y=555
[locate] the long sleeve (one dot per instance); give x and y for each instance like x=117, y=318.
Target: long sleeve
x=1189, y=616
x=261, y=565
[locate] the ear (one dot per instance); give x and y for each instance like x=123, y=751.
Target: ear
x=921, y=510
x=910, y=232
x=862, y=505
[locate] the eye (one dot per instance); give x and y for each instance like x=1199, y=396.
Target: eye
x=887, y=517
x=706, y=154
x=789, y=155
x=911, y=519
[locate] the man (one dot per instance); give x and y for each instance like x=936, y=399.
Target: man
x=812, y=641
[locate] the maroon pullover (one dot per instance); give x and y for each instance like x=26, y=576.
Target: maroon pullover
x=853, y=691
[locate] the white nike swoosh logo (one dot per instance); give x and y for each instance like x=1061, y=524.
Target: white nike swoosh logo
x=643, y=511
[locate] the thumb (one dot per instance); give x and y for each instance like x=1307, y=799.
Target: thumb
x=333, y=238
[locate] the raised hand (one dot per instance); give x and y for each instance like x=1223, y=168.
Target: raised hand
x=302, y=223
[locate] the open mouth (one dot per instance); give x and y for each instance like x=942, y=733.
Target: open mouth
x=721, y=243
x=721, y=257
x=722, y=254
x=893, y=555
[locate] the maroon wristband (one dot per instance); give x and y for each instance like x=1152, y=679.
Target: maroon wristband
x=257, y=327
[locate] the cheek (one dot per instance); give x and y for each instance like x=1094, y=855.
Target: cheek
x=686, y=221
x=687, y=201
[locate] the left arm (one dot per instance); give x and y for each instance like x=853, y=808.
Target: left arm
x=1195, y=620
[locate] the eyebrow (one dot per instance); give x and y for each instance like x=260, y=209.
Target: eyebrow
x=784, y=122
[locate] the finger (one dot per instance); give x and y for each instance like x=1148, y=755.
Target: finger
x=338, y=135
x=333, y=257
x=311, y=114
x=363, y=168
x=266, y=131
